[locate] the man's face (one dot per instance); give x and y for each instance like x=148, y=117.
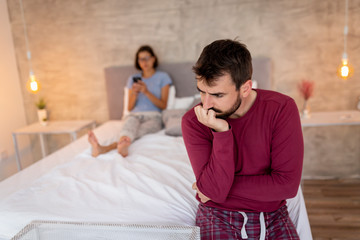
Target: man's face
x=222, y=97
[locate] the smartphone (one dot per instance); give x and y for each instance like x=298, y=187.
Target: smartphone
x=136, y=79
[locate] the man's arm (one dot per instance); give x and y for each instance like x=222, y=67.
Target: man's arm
x=212, y=157
x=287, y=150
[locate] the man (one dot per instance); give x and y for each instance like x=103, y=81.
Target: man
x=246, y=149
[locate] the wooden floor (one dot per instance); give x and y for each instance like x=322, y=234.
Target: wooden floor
x=334, y=208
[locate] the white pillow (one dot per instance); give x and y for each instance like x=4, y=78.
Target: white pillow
x=170, y=102
x=126, y=102
x=183, y=103
x=186, y=102
x=254, y=84
x=171, y=97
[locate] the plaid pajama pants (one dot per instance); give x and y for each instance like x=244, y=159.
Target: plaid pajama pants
x=220, y=224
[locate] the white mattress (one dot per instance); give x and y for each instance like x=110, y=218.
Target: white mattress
x=151, y=186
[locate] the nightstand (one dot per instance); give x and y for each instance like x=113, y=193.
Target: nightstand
x=53, y=127
x=326, y=153
x=333, y=118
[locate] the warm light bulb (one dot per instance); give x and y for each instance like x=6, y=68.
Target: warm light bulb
x=345, y=70
x=33, y=85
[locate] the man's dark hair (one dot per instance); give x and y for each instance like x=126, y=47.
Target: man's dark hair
x=224, y=56
x=145, y=48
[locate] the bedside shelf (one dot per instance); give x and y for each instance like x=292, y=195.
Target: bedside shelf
x=319, y=119
x=53, y=127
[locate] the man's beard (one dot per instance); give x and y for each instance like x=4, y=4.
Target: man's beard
x=228, y=113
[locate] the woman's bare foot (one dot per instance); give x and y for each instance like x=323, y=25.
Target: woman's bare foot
x=123, y=146
x=96, y=147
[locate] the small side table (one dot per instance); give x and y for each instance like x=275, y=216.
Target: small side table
x=333, y=118
x=53, y=127
x=329, y=119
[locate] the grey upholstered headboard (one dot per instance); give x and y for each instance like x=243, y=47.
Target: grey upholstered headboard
x=182, y=76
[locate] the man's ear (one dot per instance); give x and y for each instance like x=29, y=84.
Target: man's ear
x=246, y=88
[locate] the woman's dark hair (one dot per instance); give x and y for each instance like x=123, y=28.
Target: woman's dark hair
x=224, y=56
x=145, y=48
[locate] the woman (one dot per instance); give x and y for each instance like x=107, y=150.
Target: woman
x=147, y=98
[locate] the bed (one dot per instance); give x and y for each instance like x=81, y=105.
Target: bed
x=150, y=189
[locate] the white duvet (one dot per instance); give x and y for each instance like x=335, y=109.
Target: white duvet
x=150, y=186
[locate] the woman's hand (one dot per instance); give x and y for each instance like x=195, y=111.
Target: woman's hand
x=133, y=94
x=136, y=87
x=141, y=86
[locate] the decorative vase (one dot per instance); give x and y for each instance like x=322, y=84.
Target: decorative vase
x=42, y=115
x=306, y=110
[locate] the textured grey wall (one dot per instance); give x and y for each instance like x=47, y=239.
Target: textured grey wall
x=72, y=42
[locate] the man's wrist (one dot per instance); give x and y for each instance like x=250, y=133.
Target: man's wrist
x=223, y=129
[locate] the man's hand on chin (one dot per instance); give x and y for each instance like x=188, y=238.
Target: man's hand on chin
x=208, y=118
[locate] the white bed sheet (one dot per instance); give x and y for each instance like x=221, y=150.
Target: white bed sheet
x=151, y=186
